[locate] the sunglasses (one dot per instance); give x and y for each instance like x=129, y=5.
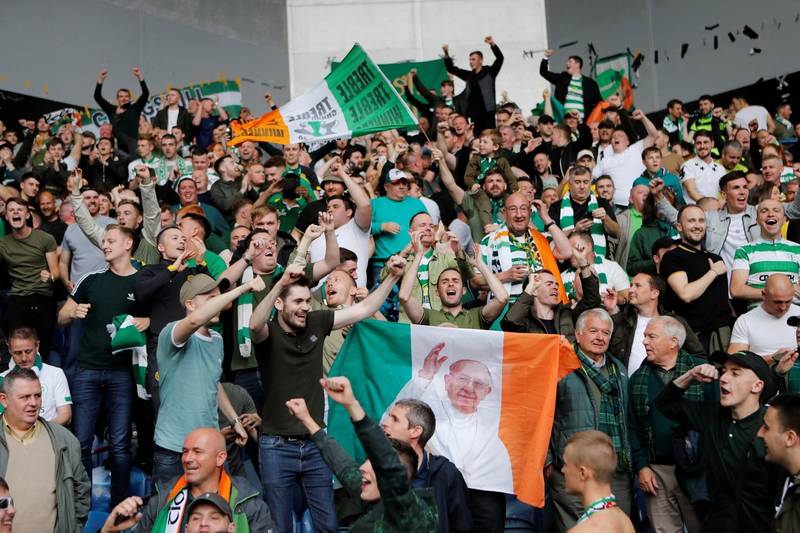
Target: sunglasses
x=6, y=502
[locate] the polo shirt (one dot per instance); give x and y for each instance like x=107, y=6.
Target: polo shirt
x=291, y=367
x=705, y=175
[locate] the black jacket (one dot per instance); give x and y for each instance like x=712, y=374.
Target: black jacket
x=483, y=79
x=125, y=124
x=591, y=92
x=449, y=493
x=184, y=121
x=520, y=317
x=561, y=157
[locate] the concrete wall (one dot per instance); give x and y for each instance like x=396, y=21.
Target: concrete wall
x=65, y=43
x=321, y=31
x=665, y=25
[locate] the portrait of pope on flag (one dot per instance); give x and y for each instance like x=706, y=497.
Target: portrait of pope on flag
x=466, y=403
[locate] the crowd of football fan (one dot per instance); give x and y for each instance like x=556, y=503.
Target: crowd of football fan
x=158, y=283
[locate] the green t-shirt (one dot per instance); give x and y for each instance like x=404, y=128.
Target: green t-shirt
x=110, y=295
x=465, y=319
x=384, y=209
x=25, y=259
x=189, y=374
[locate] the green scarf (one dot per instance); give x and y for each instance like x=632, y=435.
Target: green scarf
x=596, y=231
x=486, y=164
x=125, y=336
x=244, y=310
x=497, y=210
x=568, y=277
x=611, y=413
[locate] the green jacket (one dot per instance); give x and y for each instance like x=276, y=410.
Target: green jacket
x=73, y=486
x=788, y=519
x=576, y=410
x=401, y=509
x=640, y=256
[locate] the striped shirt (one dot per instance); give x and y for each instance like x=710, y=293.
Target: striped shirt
x=520, y=251
x=762, y=258
x=574, y=98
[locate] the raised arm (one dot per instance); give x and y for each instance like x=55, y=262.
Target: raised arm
x=367, y=307
x=186, y=327
x=363, y=214
x=496, y=305
x=145, y=95
x=562, y=249
x=85, y=221
x=151, y=212
x=498, y=56
x=650, y=128
x=544, y=70
x=104, y=104
x=449, y=182
x=332, y=257
x=451, y=68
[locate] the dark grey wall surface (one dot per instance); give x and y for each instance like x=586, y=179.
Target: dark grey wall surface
x=664, y=25
x=64, y=43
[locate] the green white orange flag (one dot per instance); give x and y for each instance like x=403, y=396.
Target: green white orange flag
x=493, y=394
x=355, y=99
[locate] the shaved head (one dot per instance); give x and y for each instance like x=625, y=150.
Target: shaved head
x=778, y=293
x=208, y=438
x=778, y=283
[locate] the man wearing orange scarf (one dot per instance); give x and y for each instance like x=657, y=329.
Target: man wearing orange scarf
x=203, y=459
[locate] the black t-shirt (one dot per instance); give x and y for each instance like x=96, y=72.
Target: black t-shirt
x=291, y=367
x=711, y=309
x=55, y=228
x=110, y=295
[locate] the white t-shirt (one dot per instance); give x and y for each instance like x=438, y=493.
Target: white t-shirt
x=752, y=112
x=55, y=389
x=623, y=168
x=353, y=238
x=705, y=175
x=763, y=332
x=638, y=355
x=737, y=237
x=172, y=118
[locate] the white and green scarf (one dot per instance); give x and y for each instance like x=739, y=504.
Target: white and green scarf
x=596, y=231
x=125, y=336
x=244, y=310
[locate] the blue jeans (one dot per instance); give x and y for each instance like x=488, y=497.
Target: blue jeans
x=284, y=464
x=166, y=465
x=113, y=390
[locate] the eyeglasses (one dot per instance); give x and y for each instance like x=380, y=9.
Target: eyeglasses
x=6, y=502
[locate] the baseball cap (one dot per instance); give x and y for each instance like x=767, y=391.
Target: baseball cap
x=395, y=174
x=754, y=362
x=793, y=321
x=583, y=153
x=329, y=176
x=214, y=499
x=197, y=284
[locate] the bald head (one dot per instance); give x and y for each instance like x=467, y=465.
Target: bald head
x=209, y=439
x=778, y=293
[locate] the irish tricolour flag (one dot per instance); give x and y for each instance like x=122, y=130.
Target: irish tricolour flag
x=493, y=395
x=355, y=99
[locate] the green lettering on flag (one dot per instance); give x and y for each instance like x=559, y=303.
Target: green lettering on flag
x=369, y=102
x=374, y=352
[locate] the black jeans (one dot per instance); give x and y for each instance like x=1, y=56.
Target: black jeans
x=34, y=310
x=488, y=511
